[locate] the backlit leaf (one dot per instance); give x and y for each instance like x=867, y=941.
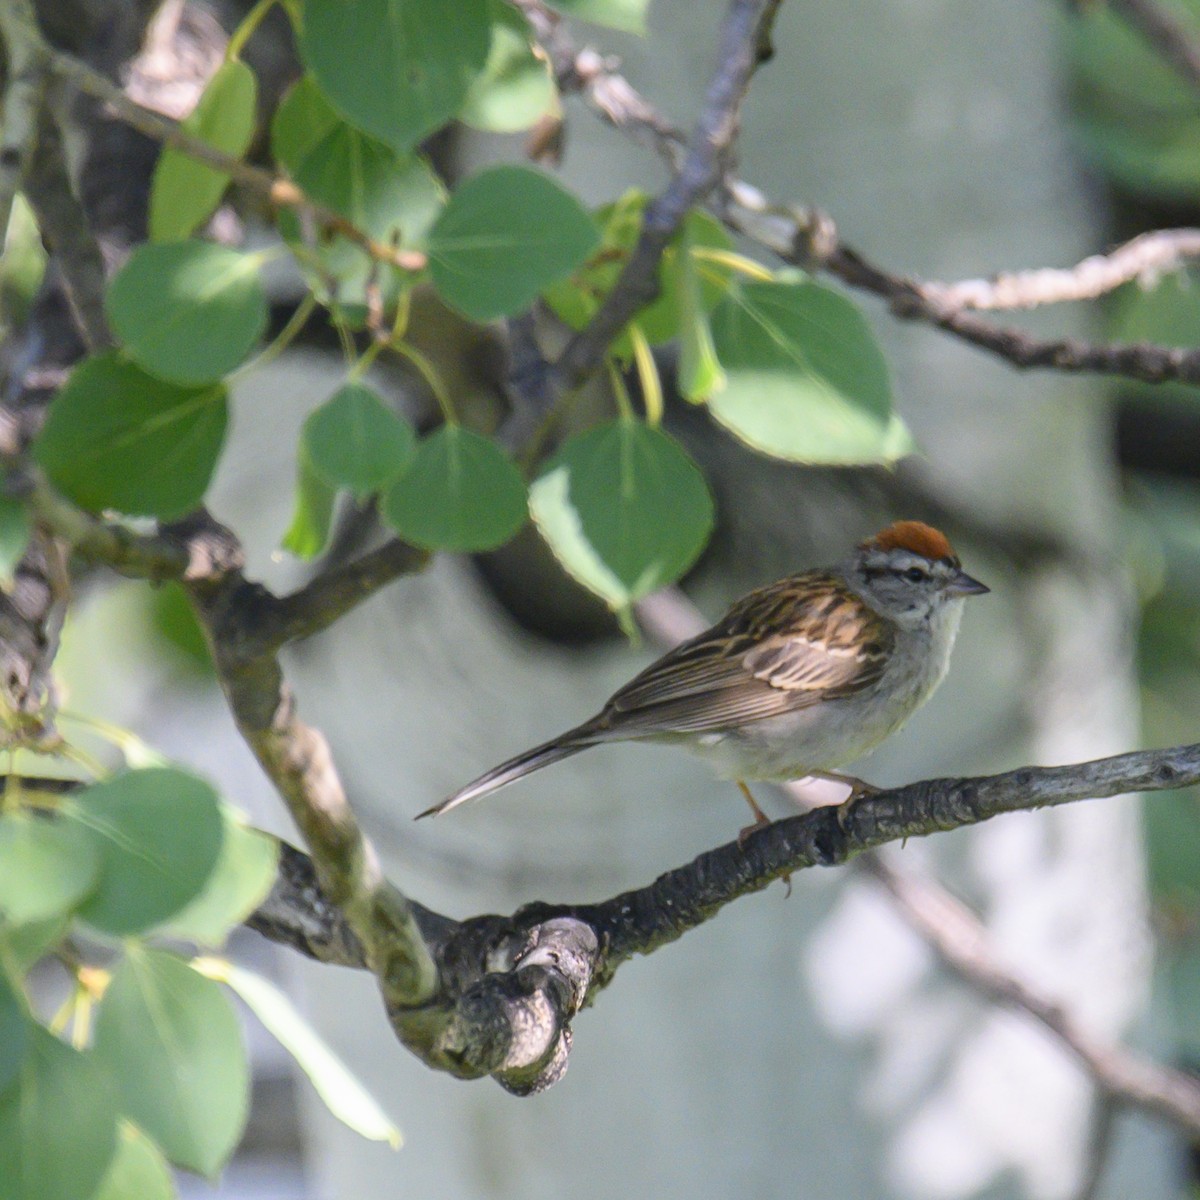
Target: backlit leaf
x=185, y=192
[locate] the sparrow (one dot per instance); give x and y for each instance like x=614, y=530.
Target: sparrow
x=797, y=678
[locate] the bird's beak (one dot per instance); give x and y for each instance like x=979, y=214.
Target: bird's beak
x=963, y=585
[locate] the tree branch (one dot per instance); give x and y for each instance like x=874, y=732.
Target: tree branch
x=744, y=35
x=483, y=958
x=809, y=239
x=960, y=941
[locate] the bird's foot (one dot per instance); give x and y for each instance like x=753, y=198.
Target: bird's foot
x=760, y=819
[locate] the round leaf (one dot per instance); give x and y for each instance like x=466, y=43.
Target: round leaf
x=517, y=86
x=506, y=234
x=239, y=882
x=189, y=312
x=303, y=118
x=46, y=867
x=171, y=1042
x=138, y=1170
x=184, y=192
x=398, y=69
x=14, y=1032
x=460, y=493
x=57, y=1124
x=355, y=441
x=804, y=377
x=119, y=438
x=624, y=509
x=159, y=832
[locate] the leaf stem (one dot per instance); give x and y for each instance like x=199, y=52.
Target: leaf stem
x=624, y=404
x=735, y=262
x=283, y=339
x=647, y=369
x=428, y=372
x=246, y=30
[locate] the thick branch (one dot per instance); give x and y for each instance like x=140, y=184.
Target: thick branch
x=481, y=960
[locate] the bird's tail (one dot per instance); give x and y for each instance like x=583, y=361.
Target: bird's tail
x=516, y=768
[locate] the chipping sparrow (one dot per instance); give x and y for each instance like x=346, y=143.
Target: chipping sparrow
x=798, y=677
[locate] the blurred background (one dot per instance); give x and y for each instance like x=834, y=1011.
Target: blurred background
x=806, y=1046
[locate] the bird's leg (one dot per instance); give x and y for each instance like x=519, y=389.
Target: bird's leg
x=858, y=789
x=760, y=817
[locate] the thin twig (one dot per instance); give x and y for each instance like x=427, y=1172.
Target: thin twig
x=64, y=224
x=1142, y=259
x=960, y=940
x=742, y=36
x=809, y=239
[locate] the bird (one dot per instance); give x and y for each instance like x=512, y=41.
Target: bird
x=797, y=678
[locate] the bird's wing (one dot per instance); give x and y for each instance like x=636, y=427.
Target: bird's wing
x=779, y=649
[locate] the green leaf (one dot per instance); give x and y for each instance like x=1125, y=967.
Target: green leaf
x=159, y=832
x=184, y=192
x=22, y=264
x=119, y=438
x=629, y=15
x=171, y=1042
x=172, y=618
x=189, y=312
x=624, y=509
x=394, y=198
x=355, y=441
x=23, y=945
x=14, y=1031
x=47, y=866
x=303, y=118
x=313, y=514
x=506, y=234
x=461, y=493
x=15, y=528
x=805, y=379
x=1135, y=113
x=699, y=373
x=398, y=69
x=238, y=884
x=57, y=1124
x=138, y=1170
x=517, y=85
x=576, y=300
x=343, y=1094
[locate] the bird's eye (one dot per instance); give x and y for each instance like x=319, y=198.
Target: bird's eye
x=916, y=575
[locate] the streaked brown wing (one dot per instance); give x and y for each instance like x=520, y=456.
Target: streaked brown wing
x=779, y=649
